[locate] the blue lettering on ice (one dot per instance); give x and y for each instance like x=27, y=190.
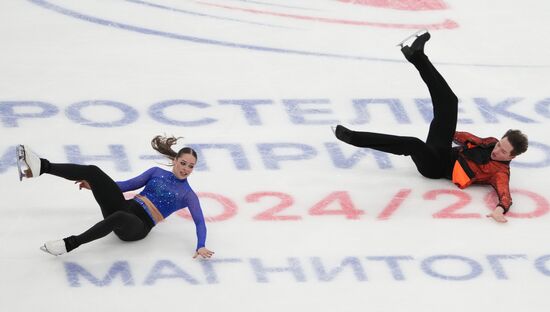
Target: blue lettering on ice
x=425, y=107
x=130, y=114
x=496, y=265
x=236, y=152
x=272, y=155
x=120, y=268
x=166, y=269
x=12, y=111
x=249, y=109
x=540, y=264
x=117, y=155
x=393, y=264
x=261, y=271
x=340, y=161
x=434, y=266
x=209, y=271
x=272, y=158
x=428, y=264
x=157, y=112
x=297, y=112
x=542, y=108
x=489, y=112
x=540, y=164
x=395, y=106
x=352, y=262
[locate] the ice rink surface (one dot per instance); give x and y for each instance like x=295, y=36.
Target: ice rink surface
x=297, y=219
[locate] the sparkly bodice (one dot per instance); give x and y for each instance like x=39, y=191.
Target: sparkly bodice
x=168, y=194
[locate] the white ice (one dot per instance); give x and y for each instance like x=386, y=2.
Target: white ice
x=69, y=67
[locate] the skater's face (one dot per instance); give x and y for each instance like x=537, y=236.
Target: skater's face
x=184, y=165
x=502, y=150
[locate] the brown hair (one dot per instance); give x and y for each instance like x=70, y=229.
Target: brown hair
x=518, y=141
x=163, y=145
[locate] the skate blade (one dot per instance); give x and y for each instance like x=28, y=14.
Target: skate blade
x=22, y=165
x=44, y=249
x=20, y=152
x=414, y=35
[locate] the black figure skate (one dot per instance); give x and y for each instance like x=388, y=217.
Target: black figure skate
x=417, y=47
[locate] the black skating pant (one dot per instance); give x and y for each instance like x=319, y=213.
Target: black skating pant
x=126, y=218
x=433, y=158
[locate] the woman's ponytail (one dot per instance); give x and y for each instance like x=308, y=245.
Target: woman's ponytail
x=164, y=144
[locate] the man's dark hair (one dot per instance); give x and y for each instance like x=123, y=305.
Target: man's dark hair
x=518, y=141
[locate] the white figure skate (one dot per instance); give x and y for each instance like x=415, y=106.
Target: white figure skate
x=28, y=163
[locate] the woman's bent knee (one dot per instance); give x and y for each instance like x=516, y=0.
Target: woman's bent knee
x=130, y=237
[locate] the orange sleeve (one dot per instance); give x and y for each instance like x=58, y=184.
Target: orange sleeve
x=500, y=183
x=463, y=138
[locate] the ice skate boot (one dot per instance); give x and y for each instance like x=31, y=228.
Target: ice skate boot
x=413, y=36
x=342, y=133
x=55, y=248
x=417, y=47
x=28, y=163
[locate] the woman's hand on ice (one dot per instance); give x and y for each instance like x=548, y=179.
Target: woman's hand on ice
x=204, y=253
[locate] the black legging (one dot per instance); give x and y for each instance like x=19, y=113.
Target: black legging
x=124, y=217
x=432, y=158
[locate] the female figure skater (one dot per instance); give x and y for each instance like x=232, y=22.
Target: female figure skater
x=474, y=160
x=165, y=192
